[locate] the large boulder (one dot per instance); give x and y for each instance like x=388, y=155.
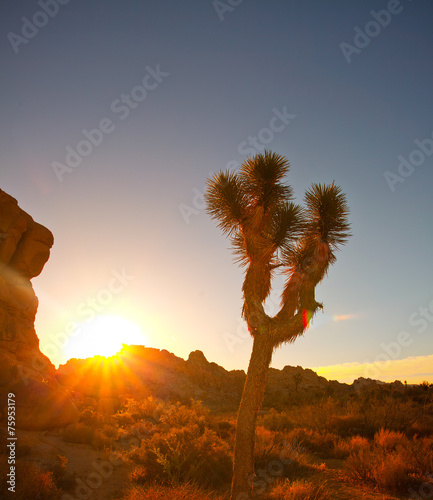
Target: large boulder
x=24, y=249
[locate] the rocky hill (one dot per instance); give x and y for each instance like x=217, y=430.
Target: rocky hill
x=143, y=371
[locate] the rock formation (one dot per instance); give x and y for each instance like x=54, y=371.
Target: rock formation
x=142, y=371
x=24, y=249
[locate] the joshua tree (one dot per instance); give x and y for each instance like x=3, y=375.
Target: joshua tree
x=297, y=378
x=268, y=231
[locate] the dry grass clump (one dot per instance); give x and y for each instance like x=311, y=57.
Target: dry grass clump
x=91, y=418
x=345, y=447
x=177, y=492
x=84, y=434
x=390, y=440
x=315, y=441
x=178, y=415
x=386, y=471
x=175, y=444
x=392, y=463
x=299, y=490
x=134, y=410
x=279, y=455
x=276, y=421
x=386, y=412
x=31, y=482
x=182, y=455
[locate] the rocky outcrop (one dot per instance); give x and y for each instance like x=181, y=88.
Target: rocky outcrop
x=142, y=371
x=24, y=249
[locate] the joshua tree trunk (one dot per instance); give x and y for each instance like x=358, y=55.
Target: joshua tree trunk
x=269, y=231
x=252, y=398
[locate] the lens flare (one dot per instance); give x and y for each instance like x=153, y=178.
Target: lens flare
x=343, y=317
x=306, y=317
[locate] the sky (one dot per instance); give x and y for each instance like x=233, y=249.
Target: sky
x=114, y=114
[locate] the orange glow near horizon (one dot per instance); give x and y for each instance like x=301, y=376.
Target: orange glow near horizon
x=104, y=376
x=413, y=369
x=103, y=336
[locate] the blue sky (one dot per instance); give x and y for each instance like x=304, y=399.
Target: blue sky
x=179, y=90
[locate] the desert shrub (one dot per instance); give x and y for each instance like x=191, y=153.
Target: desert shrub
x=391, y=464
x=276, y=421
x=178, y=415
x=389, y=471
x=345, y=447
x=421, y=429
x=313, y=440
x=389, y=440
x=32, y=482
x=423, y=455
x=91, y=418
x=331, y=415
x=160, y=492
x=136, y=432
x=100, y=441
x=139, y=475
x=265, y=442
x=123, y=419
x=224, y=429
x=279, y=455
x=62, y=478
x=78, y=433
x=386, y=412
x=345, y=425
x=148, y=408
x=224, y=425
x=154, y=412
x=151, y=408
x=393, y=473
x=110, y=431
x=358, y=467
x=184, y=454
x=299, y=490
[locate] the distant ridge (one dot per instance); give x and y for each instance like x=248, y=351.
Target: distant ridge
x=145, y=371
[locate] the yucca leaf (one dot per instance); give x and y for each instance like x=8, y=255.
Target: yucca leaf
x=226, y=200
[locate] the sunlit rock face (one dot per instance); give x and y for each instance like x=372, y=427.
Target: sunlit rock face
x=24, y=249
x=145, y=371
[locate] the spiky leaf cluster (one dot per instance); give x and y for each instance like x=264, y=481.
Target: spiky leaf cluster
x=254, y=208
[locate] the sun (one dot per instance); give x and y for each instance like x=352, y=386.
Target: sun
x=103, y=336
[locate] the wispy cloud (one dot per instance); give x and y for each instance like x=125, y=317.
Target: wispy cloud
x=413, y=369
